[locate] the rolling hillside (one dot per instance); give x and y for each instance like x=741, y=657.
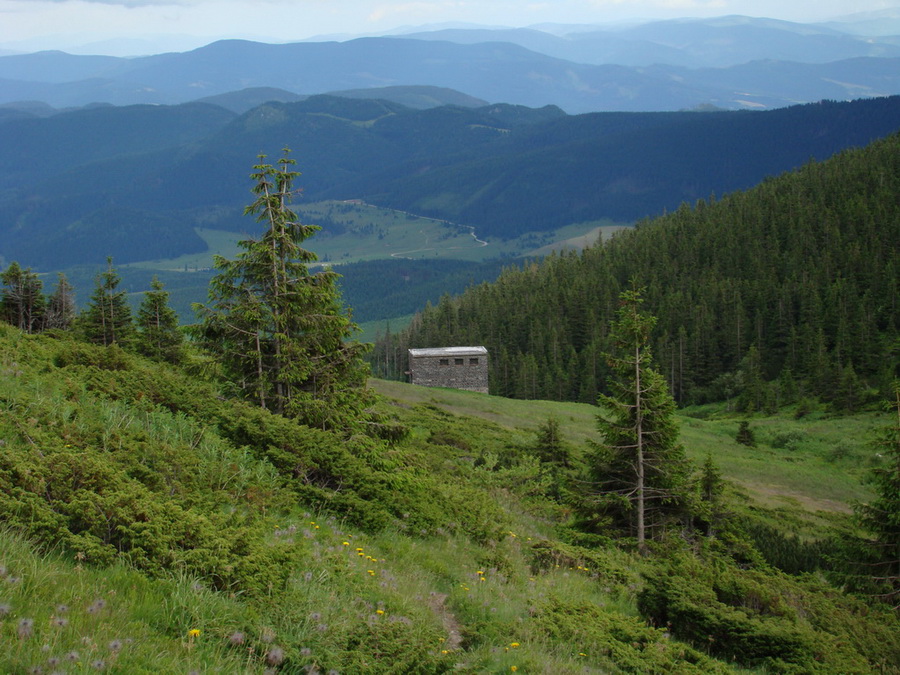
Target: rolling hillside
x=506, y=170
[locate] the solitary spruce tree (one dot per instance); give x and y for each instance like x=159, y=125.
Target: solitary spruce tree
x=61, y=305
x=158, y=325
x=640, y=468
x=279, y=330
x=107, y=317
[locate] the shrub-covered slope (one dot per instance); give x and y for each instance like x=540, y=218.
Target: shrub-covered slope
x=150, y=524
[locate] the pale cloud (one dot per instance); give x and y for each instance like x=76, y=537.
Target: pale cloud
x=406, y=9
x=124, y=3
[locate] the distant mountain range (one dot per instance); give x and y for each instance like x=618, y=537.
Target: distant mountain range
x=729, y=63
x=134, y=182
x=691, y=43
x=493, y=128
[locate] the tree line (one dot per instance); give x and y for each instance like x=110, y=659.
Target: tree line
x=106, y=319
x=765, y=297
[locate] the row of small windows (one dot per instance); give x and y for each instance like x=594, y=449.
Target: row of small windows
x=458, y=362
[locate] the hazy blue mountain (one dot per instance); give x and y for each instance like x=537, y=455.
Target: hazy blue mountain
x=879, y=23
x=26, y=109
x=83, y=137
x=246, y=99
x=8, y=113
x=768, y=84
x=490, y=71
x=418, y=97
x=59, y=67
x=733, y=40
x=719, y=42
x=625, y=166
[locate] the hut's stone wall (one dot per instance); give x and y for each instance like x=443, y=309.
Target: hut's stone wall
x=454, y=367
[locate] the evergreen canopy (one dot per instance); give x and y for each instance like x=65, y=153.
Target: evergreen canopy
x=277, y=328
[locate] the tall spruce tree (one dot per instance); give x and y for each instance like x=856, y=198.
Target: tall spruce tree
x=107, y=317
x=279, y=330
x=61, y=305
x=639, y=467
x=158, y=326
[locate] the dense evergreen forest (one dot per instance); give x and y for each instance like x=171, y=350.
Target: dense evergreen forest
x=785, y=291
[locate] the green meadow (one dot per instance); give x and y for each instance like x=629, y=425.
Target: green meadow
x=815, y=463
x=363, y=232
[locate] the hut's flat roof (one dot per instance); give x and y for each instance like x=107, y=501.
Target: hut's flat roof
x=448, y=351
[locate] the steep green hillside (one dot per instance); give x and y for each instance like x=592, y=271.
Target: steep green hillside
x=152, y=525
x=769, y=296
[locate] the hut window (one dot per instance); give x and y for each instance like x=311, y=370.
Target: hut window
x=444, y=362
x=457, y=362
x=473, y=361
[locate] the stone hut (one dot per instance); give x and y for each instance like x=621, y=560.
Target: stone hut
x=454, y=367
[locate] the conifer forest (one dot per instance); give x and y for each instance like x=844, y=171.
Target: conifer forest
x=764, y=297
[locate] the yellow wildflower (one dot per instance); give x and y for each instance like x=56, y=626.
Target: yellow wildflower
x=193, y=632
x=379, y=611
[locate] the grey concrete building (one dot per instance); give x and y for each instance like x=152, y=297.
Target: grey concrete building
x=454, y=367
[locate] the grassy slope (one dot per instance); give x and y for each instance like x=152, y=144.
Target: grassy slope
x=470, y=575
x=815, y=463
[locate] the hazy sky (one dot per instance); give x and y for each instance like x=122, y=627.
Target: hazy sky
x=45, y=24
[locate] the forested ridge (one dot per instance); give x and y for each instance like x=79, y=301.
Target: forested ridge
x=503, y=169
x=783, y=291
